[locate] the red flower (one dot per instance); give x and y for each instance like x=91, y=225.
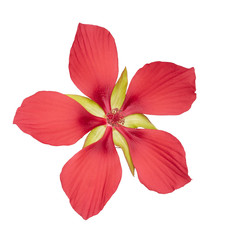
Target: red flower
x=92, y=175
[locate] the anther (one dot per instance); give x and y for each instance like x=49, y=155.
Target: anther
x=115, y=117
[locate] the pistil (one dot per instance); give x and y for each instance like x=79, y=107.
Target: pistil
x=115, y=117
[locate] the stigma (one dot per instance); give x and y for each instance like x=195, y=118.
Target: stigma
x=115, y=118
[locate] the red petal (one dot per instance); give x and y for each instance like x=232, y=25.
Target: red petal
x=161, y=88
x=55, y=119
x=91, y=176
x=158, y=157
x=93, y=63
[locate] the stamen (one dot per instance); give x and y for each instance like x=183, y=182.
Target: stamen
x=115, y=117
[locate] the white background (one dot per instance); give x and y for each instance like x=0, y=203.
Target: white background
x=35, y=39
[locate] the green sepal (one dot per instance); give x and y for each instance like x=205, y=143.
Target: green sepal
x=95, y=135
x=91, y=106
x=119, y=91
x=121, y=142
x=138, y=120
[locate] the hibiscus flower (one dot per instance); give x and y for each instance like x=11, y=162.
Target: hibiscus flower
x=115, y=117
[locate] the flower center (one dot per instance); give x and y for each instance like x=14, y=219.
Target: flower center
x=115, y=117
